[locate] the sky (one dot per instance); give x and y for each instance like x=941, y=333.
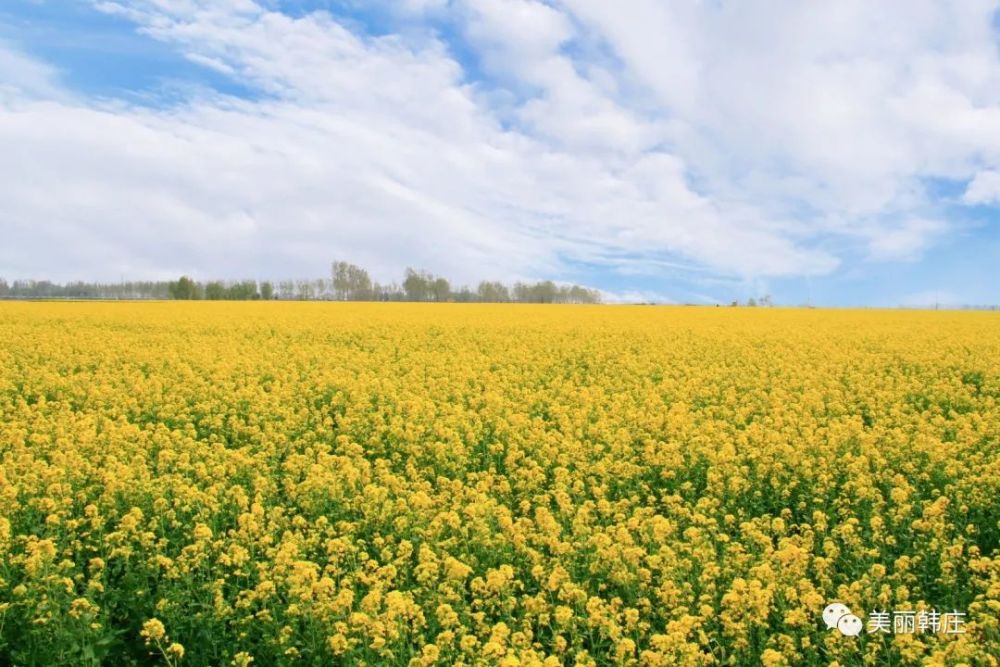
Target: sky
x=827, y=153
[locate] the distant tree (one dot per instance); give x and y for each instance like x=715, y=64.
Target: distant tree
x=492, y=292
x=244, y=290
x=286, y=290
x=416, y=285
x=351, y=283
x=304, y=290
x=361, y=284
x=341, y=283
x=542, y=292
x=346, y=282
x=546, y=292
x=183, y=288
x=390, y=292
x=577, y=294
x=463, y=295
x=215, y=290
x=440, y=289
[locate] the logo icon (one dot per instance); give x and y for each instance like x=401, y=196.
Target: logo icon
x=849, y=625
x=900, y=622
x=838, y=616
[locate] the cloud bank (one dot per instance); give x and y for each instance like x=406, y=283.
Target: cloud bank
x=510, y=139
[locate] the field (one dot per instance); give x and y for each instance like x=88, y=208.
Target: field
x=408, y=484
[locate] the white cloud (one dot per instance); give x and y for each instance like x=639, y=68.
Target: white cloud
x=526, y=30
x=618, y=134
x=24, y=77
x=635, y=297
x=840, y=107
x=984, y=189
x=905, y=240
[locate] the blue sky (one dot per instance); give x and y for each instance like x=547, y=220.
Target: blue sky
x=677, y=152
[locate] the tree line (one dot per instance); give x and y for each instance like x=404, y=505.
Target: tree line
x=347, y=282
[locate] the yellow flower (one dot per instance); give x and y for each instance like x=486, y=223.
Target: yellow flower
x=625, y=647
x=449, y=483
x=563, y=615
x=446, y=616
x=242, y=659
x=153, y=630
x=202, y=532
x=772, y=658
x=338, y=643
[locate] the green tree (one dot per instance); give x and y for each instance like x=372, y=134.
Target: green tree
x=440, y=289
x=215, y=290
x=416, y=285
x=341, y=281
x=244, y=290
x=492, y=292
x=183, y=288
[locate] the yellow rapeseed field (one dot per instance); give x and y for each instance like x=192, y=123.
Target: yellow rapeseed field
x=409, y=484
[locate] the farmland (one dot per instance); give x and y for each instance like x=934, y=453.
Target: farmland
x=420, y=484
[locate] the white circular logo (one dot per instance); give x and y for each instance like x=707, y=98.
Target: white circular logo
x=832, y=614
x=849, y=625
